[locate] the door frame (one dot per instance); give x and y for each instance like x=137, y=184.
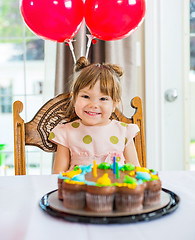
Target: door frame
x=153, y=88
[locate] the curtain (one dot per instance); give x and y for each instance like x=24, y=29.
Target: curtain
x=121, y=52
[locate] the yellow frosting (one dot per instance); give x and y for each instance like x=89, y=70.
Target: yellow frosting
x=104, y=180
x=71, y=174
x=131, y=186
x=142, y=169
x=154, y=177
x=74, y=182
x=132, y=173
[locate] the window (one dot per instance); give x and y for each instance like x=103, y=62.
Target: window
x=192, y=37
x=23, y=67
x=6, y=99
x=192, y=83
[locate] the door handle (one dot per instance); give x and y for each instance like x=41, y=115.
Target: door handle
x=171, y=94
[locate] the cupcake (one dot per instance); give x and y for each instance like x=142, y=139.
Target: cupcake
x=153, y=186
x=152, y=192
x=130, y=195
x=100, y=198
x=73, y=189
x=73, y=193
x=61, y=179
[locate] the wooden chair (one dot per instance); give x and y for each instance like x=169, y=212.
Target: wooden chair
x=36, y=131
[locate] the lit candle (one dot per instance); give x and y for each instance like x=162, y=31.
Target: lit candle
x=94, y=169
x=117, y=171
x=114, y=165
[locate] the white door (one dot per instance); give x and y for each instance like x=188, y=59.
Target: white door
x=166, y=135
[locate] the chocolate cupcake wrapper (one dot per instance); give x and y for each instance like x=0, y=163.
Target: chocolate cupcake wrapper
x=100, y=203
x=60, y=196
x=74, y=200
x=128, y=202
x=151, y=197
x=60, y=190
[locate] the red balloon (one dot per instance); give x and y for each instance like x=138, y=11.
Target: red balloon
x=113, y=19
x=55, y=20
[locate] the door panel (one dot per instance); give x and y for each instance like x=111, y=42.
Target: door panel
x=164, y=71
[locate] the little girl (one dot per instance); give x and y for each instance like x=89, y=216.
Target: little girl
x=96, y=93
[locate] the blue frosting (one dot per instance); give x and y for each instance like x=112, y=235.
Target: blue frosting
x=90, y=183
x=143, y=175
x=139, y=182
x=154, y=172
x=85, y=168
x=79, y=178
x=62, y=177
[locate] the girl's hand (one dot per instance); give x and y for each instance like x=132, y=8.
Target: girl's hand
x=62, y=159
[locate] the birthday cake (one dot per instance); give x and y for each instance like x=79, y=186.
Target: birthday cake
x=107, y=187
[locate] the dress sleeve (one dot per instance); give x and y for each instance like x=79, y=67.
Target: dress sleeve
x=58, y=135
x=132, y=131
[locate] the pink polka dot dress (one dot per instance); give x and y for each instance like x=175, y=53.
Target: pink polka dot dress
x=89, y=143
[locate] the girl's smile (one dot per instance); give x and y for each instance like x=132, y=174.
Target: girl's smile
x=92, y=113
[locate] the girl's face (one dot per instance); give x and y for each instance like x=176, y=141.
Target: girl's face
x=93, y=107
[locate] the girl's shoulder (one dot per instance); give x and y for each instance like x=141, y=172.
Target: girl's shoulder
x=130, y=129
x=65, y=125
x=123, y=124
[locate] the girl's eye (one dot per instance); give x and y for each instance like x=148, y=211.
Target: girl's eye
x=85, y=96
x=103, y=98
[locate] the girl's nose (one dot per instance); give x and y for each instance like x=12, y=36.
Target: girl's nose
x=93, y=104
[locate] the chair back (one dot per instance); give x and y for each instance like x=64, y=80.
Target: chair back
x=36, y=132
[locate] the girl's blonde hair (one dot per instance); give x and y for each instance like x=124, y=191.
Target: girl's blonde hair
x=108, y=74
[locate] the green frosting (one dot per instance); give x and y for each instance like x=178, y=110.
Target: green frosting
x=145, y=180
x=104, y=185
x=128, y=179
x=128, y=167
x=76, y=168
x=104, y=165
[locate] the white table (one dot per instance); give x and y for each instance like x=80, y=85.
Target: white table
x=22, y=218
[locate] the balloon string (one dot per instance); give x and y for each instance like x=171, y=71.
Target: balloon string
x=88, y=47
x=72, y=51
x=90, y=38
x=82, y=37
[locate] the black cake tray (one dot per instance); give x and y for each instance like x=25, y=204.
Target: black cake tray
x=54, y=207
